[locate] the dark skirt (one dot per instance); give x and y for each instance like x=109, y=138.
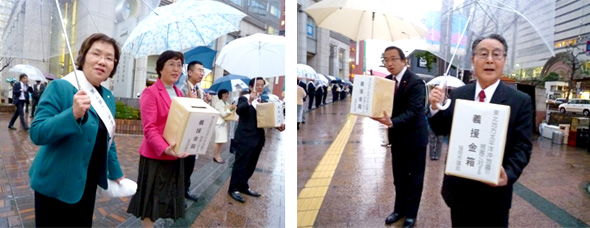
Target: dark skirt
x=160, y=190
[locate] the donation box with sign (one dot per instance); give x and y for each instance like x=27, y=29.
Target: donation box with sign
x=371, y=96
x=191, y=124
x=478, y=137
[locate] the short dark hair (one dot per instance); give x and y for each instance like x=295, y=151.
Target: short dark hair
x=402, y=56
x=191, y=64
x=165, y=56
x=88, y=42
x=21, y=76
x=494, y=36
x=253, y=81
x=221, y=92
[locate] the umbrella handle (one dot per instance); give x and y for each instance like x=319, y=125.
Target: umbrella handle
x=446, y=105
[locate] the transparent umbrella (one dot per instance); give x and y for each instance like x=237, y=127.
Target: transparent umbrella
x=305, y=71
x=527, y=26
x=33, y=73
x=257, y=55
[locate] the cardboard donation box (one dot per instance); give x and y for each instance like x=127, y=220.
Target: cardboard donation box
x=190, y=123
x=478, y=137
x=269, y=115
x=232, y=115
x=371, y=95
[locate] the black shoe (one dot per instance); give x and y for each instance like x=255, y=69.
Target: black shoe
x=392, y=218
x=191, y=197
x=409, y=223
x=11, y=128
x=251, y=193
x=236, y=195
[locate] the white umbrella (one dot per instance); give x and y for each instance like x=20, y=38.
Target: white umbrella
x=182, y=25
x=33, y=73
x=451, y=81
x=367, y=19
x=258, y=55
x=305, y=71
x=322, y=80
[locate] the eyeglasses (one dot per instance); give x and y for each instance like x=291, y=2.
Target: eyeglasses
x=108, y=59
x=386, y=60
x=201, y=70
x=497, y=54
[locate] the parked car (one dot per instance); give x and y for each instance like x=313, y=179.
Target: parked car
x=576, y=105
x=560, y=100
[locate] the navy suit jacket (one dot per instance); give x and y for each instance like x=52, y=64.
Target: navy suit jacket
x=408, y=115
x=247, y=132
x=458, y=191
x=16, y=92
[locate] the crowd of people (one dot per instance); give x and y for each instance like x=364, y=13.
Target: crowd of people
x=74, y=126
x=315, y=93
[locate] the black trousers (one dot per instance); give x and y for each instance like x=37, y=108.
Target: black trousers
x=334, y=96
x=33, y=106
x=318, y=100
x=408, y=177
x=189, y=166
x=244, y=166
x=51, y=212
x=479, y=216
x=19, y=113
x=311, y=99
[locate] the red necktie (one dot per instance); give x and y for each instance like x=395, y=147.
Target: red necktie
x=482, y=95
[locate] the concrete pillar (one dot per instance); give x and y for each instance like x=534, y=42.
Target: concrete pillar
x=302, y=37
x=140, y=75
x=218, y=71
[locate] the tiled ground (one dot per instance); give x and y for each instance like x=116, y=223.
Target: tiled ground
x=361, y=192
x=17, y=201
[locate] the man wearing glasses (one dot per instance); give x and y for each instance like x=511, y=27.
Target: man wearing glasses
x=473, y=203
x=408, y=137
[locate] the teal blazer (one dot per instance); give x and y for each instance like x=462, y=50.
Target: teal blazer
x=61, y=164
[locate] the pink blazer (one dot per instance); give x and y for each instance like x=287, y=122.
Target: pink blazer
x=154, y=105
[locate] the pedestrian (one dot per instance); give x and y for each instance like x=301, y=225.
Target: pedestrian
x=249, y=141
x=221, y=125
x=20, y=94
x=474, y=203
x=311, y=94
x=38, y=89
x=193, y=89
x=160, y=178
x=335, y=92
x=304, y=86
x=77, y=150
x=408, y=137
x=300, y=102
x=319, y=93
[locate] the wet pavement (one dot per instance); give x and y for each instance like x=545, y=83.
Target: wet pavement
x=359, y=192
x=214, y=208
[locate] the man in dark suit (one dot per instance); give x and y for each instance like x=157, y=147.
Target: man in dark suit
x=319, y=93
x=38, y=89
x=249, y=141
x=325, y=88
x=20, y=95
x=408, y=136
x=335, y=93
x=310, y=94
x=475, y=203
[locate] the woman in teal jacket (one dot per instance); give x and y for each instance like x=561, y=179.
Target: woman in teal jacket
x=75, y=129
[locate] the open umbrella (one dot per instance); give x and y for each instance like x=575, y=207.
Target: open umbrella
x=182, y=25
x=305, y=71
x=368, y=19
x=231, y=83
x=527, y=26
x=257, y=55
x=33, y=73
x=202, y=54
x=322, y=80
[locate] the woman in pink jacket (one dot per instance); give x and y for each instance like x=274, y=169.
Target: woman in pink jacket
x=160, y=179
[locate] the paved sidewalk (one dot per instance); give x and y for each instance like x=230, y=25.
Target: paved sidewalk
x=550, y=193
x=17, y=202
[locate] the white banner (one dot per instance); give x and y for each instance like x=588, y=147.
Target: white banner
x=478, y=138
